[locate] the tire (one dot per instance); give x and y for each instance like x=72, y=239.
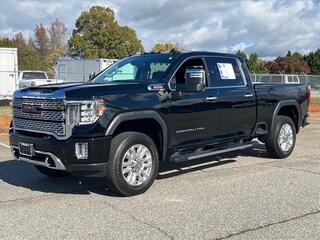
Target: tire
x=262, y=139
x=274, y=138
x=51, y=172
x=125, y=160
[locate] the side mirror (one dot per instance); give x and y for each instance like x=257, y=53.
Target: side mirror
x=92, y=75
x=195, y=80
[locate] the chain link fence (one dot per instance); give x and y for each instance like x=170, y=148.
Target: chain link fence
x=311, y=80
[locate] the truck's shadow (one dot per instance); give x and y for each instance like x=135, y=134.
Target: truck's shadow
x=24, y=175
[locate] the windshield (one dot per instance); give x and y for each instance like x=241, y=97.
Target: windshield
x=144, y=68
x=33, y=75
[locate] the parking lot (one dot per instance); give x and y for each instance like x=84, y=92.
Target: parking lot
x=246, y=197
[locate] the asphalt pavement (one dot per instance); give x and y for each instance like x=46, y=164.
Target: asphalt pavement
x=246, y=197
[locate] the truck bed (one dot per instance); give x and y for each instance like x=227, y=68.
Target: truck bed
x=268, y=96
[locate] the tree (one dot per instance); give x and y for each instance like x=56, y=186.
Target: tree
x=57, y=36
x=300, y=56
x=42, y=49
x=255, y=64
x=98, y=35
x=243, y=54
x=289, y=64
x=313, y=60
x=27, y=55
x=163, y=47
x=289, y=53
x=41, y=39
x=57, y=33
x=166, y=47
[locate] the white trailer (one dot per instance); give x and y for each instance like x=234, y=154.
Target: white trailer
x=8, y=72
x=78, y=70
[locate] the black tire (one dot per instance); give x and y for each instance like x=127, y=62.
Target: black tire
x=51, y=172
x=272, y=144
x=262, y=139
x=119, y=146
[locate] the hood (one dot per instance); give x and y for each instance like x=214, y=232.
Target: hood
x=79, y=90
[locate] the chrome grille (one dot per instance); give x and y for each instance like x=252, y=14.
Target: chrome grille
x=50, y=104
x=40, y=126
x=49, y=117
x=45, y=115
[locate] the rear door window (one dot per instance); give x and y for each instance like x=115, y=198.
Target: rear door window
x=224, y=72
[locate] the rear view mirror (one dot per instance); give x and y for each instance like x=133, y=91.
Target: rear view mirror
x=195, y=78
x=92, y=76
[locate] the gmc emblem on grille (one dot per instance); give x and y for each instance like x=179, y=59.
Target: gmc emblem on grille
x=29, y=108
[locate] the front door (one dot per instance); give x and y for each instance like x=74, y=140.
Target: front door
x=193, y=117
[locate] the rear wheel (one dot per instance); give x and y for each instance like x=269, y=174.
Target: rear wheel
x=51, y=172
x=281, y=140
x=133, y=163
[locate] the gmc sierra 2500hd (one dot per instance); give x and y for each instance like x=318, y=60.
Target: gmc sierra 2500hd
x=150, y=108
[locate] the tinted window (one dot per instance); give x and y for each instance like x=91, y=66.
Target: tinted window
x=33, y=75
x=144, y=68
x=126, y=72
x=179, y=77
x=224, y=72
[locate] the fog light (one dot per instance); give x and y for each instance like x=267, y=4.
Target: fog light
x=81, y=150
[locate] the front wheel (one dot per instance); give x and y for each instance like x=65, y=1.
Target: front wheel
x=133, y=163
x=281, y=140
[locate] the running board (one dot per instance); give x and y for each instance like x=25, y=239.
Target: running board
x=211, y=153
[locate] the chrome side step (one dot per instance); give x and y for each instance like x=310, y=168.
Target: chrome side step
x=180, y=157
x=207, y=154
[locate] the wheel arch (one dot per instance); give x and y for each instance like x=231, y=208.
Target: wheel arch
x=138, y=117
x=288, y=108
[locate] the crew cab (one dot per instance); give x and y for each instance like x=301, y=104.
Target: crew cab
x=31, y=78
x=153, y=108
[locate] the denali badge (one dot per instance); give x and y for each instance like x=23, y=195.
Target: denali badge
x=190, y=130
x=28, y=108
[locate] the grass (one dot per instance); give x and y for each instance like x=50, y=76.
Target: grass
x=5, y=111
x=315, y=100
x=5, y=118
x=314, y=107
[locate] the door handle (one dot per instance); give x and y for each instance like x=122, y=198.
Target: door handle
x=249, y=95
x=211, y=99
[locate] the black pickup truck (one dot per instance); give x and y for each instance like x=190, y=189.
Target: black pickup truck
x=150, y=108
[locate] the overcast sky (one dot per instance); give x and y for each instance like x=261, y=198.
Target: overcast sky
x=269, y=27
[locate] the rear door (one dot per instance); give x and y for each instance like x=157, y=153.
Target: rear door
x=236, y=98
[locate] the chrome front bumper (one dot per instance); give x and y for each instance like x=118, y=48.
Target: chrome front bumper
x=48, y=160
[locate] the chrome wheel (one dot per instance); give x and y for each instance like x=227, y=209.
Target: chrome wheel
x=136, y=165
x=285, y=139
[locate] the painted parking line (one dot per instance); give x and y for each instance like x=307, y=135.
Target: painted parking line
x=4, y=145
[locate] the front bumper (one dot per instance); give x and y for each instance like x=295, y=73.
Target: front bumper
x=60, y=154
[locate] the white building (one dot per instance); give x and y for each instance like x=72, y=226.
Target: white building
x=8, y=72
x=75, y=70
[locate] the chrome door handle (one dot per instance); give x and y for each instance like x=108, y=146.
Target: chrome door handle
x=211, y=98
x=248, y=95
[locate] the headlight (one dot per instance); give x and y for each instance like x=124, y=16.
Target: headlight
x=87, y=113
x=84, y=112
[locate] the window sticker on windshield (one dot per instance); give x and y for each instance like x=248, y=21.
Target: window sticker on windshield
x=226, y=71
